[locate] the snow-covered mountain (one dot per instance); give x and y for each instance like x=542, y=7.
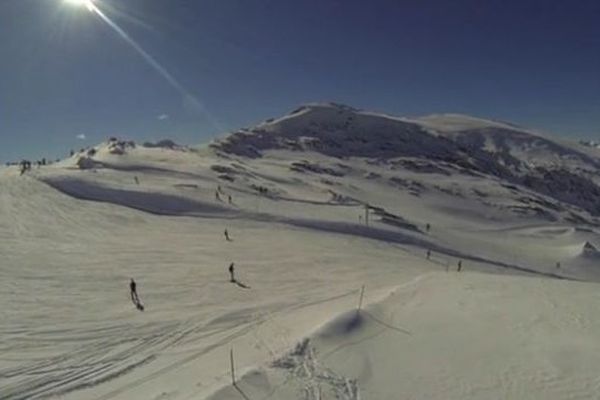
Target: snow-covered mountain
x=317, y=204
x=445, y=144
x=342, y=131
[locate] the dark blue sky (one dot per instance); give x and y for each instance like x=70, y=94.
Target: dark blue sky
x=64, y=72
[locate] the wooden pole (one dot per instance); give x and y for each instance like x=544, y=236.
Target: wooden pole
x=362, y=292
x=232, y=367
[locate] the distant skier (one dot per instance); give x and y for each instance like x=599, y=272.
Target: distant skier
x=137, y=181
x=557, y=265
x=133, y=291
x=229, y=200
x=427, y=227
x=231, y=272
x=459, y=265
x=134, y=295
x=217, y=197
x=428, y=254
x=227, y=236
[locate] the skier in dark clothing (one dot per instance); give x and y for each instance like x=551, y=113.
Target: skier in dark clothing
x=232, y=272
x=428, y=254
x=229, y=199
x=133, y=291
x=134, y=295
x=227, y=236
x=459, y=265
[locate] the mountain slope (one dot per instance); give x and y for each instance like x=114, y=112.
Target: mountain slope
x=442, y=143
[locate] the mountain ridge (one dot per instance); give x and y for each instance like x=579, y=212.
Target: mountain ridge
x=471, y=145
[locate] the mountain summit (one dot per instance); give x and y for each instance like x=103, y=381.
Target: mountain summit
x=343, y=131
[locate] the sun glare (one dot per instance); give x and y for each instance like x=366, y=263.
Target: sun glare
x=88, y=3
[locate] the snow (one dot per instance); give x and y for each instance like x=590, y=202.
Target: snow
x=458, y=336
x=519, y=321
x=459, y=122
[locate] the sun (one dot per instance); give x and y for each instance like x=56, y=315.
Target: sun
x=88, y=3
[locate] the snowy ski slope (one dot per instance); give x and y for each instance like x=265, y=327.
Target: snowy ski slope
x=512, y=324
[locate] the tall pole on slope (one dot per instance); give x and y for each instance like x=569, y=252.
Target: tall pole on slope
x=232, y=367
x=233, y=382
x=360, y=301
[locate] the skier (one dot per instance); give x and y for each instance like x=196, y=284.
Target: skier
x=427, y=227
x=137, y=181
x=229, y=199
x=459, y=265
x=557, y=265
x=232, y=272
x=134, y=295
x=428, y=254
x=217, y=197
x=227, y=236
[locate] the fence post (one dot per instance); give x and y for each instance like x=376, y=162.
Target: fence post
x=360, y=301
x=232, y=367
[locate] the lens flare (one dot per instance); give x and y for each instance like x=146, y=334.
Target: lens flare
x=88, y=3
x=191, y=101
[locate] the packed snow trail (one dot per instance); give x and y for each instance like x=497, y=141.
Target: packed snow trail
x=70, y=329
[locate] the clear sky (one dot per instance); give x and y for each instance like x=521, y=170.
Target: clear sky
x=64, y=72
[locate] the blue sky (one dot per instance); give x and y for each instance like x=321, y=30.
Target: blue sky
x=64, y=72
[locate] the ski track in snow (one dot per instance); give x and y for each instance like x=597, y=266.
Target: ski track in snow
x=91, y=364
